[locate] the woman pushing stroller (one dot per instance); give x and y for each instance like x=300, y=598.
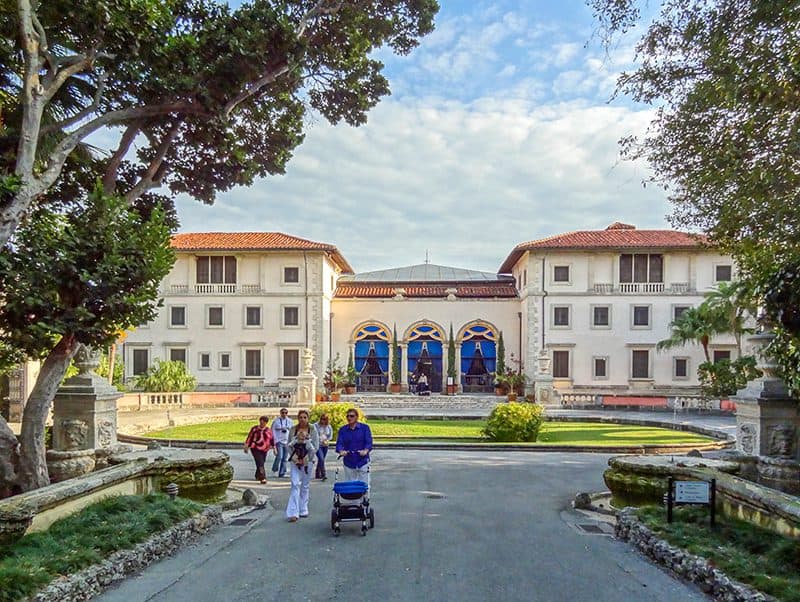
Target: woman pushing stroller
x=354, y=442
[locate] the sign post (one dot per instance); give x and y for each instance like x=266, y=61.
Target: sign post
x=702, y=493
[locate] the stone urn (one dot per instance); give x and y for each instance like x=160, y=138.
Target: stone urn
x=14, y=522
x=72, y=461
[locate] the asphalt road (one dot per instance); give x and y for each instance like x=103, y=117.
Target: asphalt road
x=449, y=526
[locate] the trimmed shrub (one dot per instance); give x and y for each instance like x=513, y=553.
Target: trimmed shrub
x=167, y=377
x=514, y=422
x=336, y=413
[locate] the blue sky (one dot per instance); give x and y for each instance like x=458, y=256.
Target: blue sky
x=499, y=130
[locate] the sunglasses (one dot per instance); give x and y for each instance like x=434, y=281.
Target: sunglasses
x=352, y=415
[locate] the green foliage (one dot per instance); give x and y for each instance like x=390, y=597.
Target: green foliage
x=785, y=348
x=336, y=413
x=351, y=376
x=512, y=380
x=88, y=272
x=396, y=375
x=335, y=377
x=695, y=325
x=763, y=559
x=85, y=538
x=163, y=377
x=451, y=357
x=514, y=422
x=501, y=355
x=719, y=380
x=119, y=370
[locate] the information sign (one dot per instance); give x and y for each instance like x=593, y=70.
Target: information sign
x=692, y=492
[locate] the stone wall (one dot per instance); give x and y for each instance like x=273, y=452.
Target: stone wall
x=91, y=581
x=693, y=568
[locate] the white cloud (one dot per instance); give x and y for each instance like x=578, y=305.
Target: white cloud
x=465, y=181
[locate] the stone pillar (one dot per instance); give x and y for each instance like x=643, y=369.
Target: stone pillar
x=543, y=388
x=16, y=394
x=307, y=381
x=84, y=420
x=458, y=368
x=768, y=422
x=403, y=366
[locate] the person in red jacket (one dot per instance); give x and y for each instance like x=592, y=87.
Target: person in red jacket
x=259, y=441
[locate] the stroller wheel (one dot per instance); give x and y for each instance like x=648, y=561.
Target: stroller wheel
x=363, y=528
x=371, y=518
x=336, y=531
x=334, y=519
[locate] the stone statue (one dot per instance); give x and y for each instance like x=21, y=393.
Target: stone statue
x=87, y=359
x=75, y=432
x=780, y=439
x=747, y=438
x=308, y=360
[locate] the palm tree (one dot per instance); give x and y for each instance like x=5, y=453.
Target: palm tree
x=695, y=325
x=735, y=302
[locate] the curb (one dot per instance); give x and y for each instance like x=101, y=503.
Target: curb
x=695, y=569
x=91, y=581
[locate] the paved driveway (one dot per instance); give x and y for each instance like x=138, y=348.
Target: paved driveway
x=449, y=526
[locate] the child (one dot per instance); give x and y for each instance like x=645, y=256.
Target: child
x=300, y=451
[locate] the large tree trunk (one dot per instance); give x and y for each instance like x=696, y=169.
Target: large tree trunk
x=9, y=459
x=32, y=472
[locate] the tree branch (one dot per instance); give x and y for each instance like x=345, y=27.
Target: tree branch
x=149, y=179
x=110, y=176
x=32, y=106
x=98, y=95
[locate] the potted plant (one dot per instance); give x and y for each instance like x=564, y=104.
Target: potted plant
x=351, y=376
x=452, y=373
x=500, y=386
x=334, y=378
x=395, y=386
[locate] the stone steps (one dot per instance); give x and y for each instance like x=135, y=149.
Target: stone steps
x=428, y=402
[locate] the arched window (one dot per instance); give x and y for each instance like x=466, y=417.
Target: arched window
x=478, y=357
x=372, y=357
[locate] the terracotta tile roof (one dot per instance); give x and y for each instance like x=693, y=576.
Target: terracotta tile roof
x=255, y=241
x=377, y=290
x=616, y=236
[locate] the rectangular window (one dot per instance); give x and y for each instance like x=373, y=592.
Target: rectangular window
x=641, y=267
x=225, y=361
x=640, y=363
x=291, y=362
x=561, y=316
x=253, y=315
x=252, y=362
x=291, y=316
x=177, y=355
x=216, y=269
x=681, y=367
x=215, y=315
x=561, y=364
x=291, y=275
x=723, y=273
x=177, y=315
x=678, y=311
x=721, y=355
x=525, y=278
x=561, y=273
x=641, y=316
x=601, y=315
x=141, y=361
x=205, y=361
x=600, y=367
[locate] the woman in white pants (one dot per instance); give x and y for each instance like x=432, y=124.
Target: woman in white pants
x=303, y=446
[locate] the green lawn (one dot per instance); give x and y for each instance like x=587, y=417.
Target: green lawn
x=552, y=433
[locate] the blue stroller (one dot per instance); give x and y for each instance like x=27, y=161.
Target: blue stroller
x=351, y=504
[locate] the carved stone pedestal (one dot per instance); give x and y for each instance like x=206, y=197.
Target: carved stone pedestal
x=63, y=465
x=543, y=388
x=306, y=381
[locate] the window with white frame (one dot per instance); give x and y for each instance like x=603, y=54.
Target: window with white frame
x=216, y=269
x=640, y=316
x=291, y=315
x=600, y=367
x=721, y=355
x=723, y=272
x=177, y=354
x=141, y=361
x=641, y=267
x=291, y=275
x=291, y=362
x=561, y=274
x=679, y=310
x=252, y=316
x=601, y=316
x=640, y=363
x=177, y=316
x=561, y=316
x=224, y=360
x=215, y=316
x=252, y=363
x=561, y=363
x=680, y=368
x=204, y=362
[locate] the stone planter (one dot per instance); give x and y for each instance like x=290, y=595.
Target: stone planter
x=350, y=390
x=395, y=388
x=14, y=521
x=63, y=465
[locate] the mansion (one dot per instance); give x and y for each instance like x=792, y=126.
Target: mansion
x=587, y=307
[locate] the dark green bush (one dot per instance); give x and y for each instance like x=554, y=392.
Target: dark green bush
x=336, y=413
x=514, y=422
